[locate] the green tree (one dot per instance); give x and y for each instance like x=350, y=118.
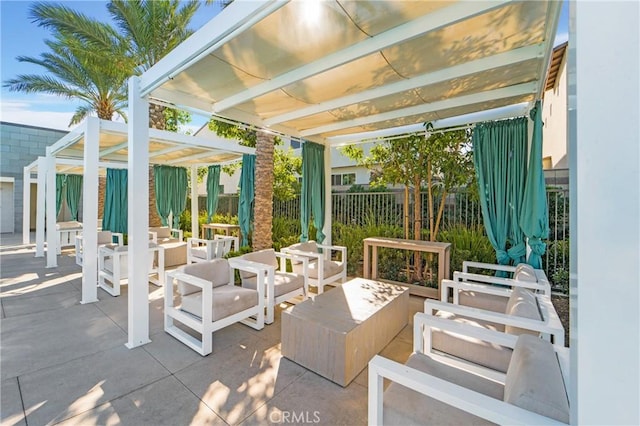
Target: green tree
x=441, y=161
x=95, y=76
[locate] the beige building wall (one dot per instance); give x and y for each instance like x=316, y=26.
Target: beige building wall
x=554, y=117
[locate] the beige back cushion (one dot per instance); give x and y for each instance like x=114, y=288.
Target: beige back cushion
x=266, y=256
x=308, y=246
x=525, y=272
x=522, y=303
x=215, y=271
x=105, y=237
x=161, y=231
x=534, y=380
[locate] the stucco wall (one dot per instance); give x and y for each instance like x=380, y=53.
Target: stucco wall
x=554, y=117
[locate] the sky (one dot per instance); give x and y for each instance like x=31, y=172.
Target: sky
x=19, y=36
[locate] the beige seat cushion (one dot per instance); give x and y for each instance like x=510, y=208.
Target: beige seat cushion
x=200, y=252
x=471, y=349
x=215, y=271
x=283, y=283
x=534, y=380
x=522, y=303
x=227, y=300
x=403, y=406
x=488, y=302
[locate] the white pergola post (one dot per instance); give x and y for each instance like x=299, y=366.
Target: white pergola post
x=90, y=211
x=327, y=196
x=138, y=224
x=52, y=234
x=604, y=147
x=26, y=205
x=42, y=182
x=195, y=226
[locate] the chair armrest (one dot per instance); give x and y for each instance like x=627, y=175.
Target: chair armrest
x=458, y=286
x=203, y=241
x=153, y=236
x=300, y=253
x=119, y=237
x=465, y=277
x=441, y=390
x=236, y=240
x=540, y=326
x=341, y=249
x=179, y=232
x=284, y=256
x=491, y=266
x=189, y=279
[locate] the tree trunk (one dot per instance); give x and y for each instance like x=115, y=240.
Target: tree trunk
x=436, y=228
x=156, y=121
x=263, y=203
x=417, y=227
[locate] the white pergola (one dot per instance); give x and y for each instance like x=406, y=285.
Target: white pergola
x=324, y=70
x=91, y=148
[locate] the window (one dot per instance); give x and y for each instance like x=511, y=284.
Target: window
x=344, y=179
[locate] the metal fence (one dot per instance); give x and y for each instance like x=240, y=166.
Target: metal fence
x=461, y=208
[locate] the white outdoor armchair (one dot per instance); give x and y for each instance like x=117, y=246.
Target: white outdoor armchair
x=113, y=269
x=322, y=270
x=104, y=238
x=430, y=389
x=208, y=301
x=201, y=250
x=164, y=235
x=279, y=285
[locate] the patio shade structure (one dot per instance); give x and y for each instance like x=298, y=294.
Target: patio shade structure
x=363, y=66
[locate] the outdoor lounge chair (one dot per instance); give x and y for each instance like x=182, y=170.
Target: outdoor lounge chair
x=164, y=234
x=209, y=300
x=322, y=270
x=514, y=310
x=67, y=233
x=429, y=389
x=113, y=269
x=175, y=249
x=104, y=238
x=201, y=250
x=279, y=285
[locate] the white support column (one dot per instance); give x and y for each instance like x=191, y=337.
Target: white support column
x=26, y=205
x=90, y=211
x=52, y=234
x=138, y=224
x=327, y=196
x=604, y=135
x=40, y=216
x=195, y=226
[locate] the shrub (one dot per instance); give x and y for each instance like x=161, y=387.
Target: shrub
x=467, y=243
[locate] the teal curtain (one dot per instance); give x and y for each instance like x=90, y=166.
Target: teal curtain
x=73, y=192
x=115, y=217
x=213, y=191
x=179, y=190
x=499, y=154
x=170, y=185
x=162, y=177
x=312, y=193
x=245, y=207
x=534, y=216
x=61, y=181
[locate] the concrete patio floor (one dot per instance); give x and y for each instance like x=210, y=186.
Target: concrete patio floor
x=65, y=363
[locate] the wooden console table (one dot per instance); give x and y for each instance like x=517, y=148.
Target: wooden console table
x=443, y=250
x=228, y=229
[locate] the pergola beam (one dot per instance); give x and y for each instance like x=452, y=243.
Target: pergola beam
x=412, y=29
x=478, y=66
x=490, y=95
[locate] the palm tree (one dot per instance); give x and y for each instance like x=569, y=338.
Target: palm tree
x=97, y=77
x=263, y=203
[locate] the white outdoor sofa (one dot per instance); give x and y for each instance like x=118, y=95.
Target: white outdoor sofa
x=104, y=238
x=113, y=268
x=206, y=300
x=279, y=285
x=202, y=250
x=322, y=270
x=510, y=307
x=430, y=389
